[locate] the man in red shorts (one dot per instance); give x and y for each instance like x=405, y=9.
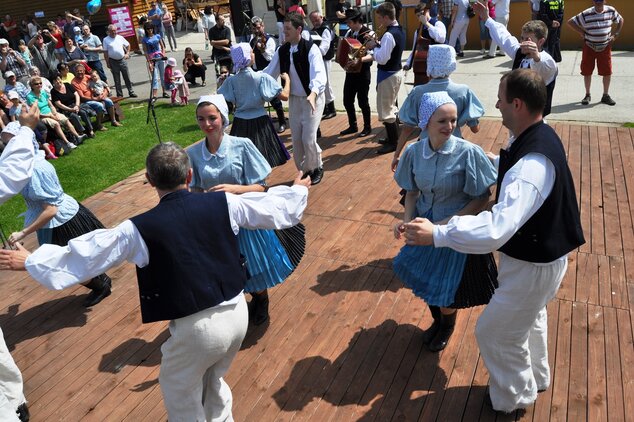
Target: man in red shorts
x=595, y=26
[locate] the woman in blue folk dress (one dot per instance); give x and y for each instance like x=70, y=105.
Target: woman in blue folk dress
x=57, y=218
x=444, y=176
x=228, y=163
x=248, y=91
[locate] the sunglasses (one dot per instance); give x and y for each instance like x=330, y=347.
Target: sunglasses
x=36, y=83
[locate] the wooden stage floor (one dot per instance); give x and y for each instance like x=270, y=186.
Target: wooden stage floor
x=344, y=340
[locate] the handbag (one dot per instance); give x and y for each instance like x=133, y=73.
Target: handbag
x=61, y=148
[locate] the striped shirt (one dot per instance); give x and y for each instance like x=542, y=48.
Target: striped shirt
x=597, y=26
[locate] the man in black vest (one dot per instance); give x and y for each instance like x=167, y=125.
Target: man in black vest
x=389, y=75
x=327, y=47
x=302, y=60
x=263, y=46
x=534, y=224
x=357, y=83
x=189, y=272
x=527, y=53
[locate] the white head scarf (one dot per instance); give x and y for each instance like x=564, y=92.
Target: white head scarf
x=220, y=103
x=429, y=103
x=441, y=61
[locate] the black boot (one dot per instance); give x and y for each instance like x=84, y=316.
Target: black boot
x=329, y=111
x=281, y=120
x=447, y=324
x=352, y=128
x=23, y=412
x=431, y=332
x=367, y=122
x=392, y=138
x=260, y=307
x=101, y=289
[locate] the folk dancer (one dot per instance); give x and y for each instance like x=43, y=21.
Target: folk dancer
x=389, y=76
x=534, y=224
x=431, y=31
x=205, y=306
x=263, y=46
x=16, y=168
x=357, y=83
x=302, y=60
x=441, y=63
x=327, y=43
x=527, y=53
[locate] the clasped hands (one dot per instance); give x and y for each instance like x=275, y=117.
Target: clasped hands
x=418, y=232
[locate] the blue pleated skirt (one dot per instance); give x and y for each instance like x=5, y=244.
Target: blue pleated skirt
x=433, y=274
x=268, y=262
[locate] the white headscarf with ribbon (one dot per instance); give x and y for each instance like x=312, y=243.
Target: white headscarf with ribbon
x=220, y=103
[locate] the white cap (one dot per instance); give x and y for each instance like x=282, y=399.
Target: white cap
x=12, y=94
x=8, y=73
x=3, y=41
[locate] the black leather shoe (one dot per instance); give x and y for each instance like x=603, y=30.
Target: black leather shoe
x=23, y=412
x=349, y=131
x=329, y=115
x=447, y=324
x=132, y=95
x=316, y=175
x=386, y=149
x=365, y=132
x=281, y=128
x=100, y=290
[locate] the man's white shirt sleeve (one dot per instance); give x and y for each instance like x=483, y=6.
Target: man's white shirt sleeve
x=523, y=191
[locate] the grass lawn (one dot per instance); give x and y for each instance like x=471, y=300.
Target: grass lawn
x=113, y=155
x=629, y=125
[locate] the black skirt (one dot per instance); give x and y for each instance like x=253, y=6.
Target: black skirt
x=83, y=222
x=263, y=135
x=293, y=241
x=479, y=281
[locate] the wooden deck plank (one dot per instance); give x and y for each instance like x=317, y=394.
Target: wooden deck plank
x=344, y=340
x=596, y=196
x=578, y=386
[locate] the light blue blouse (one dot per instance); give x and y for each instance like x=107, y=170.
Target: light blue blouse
x=470, y=109
x=249, y=90
x=44, y=188
x=448, y=179
x=237, y=161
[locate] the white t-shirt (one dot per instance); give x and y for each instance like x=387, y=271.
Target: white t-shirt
x=116, y=47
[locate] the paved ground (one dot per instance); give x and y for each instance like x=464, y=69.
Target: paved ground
x=481, y=75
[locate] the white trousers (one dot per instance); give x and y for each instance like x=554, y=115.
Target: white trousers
x=280, y=33
x=329, y=93
x=386, y=96
x=504, y=20
x=196, y=357
x=512, y=331
x=459, y=32
x=11, y=388
x=304, y=124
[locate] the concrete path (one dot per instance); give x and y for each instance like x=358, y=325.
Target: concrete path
x=481, y=75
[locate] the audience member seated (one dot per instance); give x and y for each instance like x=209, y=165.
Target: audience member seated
x=12, y=84
x=49, y=115
x=11, y=60
x=81, y=83
x=66, y=99
x=65, y=73
x=46, y=84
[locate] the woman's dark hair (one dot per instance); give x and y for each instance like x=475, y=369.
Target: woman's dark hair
x=54, y=75
x=208, y=10
x=61, y=66
x=148, y=27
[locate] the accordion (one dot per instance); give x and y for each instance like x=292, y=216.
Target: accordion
x=347, y=50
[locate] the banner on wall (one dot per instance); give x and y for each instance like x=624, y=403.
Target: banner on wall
x=121, y=18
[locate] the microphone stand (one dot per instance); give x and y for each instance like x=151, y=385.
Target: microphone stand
x=150, y=104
